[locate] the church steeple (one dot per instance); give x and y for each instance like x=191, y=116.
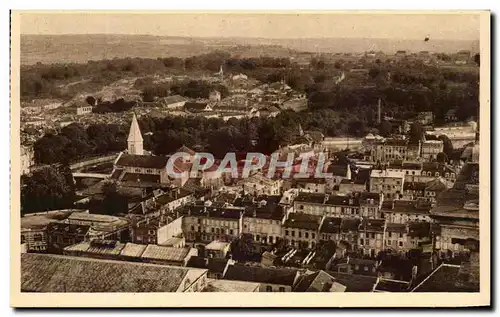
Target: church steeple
x=135, y=141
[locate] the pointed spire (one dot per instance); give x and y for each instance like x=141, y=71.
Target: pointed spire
x=135, y=133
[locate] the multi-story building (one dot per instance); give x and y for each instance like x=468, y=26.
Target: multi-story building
x=371, y=236
x=205, y=223
x=404, y=237
x=330, y=229
x=258, y=185
x=263, y=221
x=370, y=204
x=430, y=149
x=404, y=211
x=301, y=229
x=389, y=150
x=457, y=213
x=386, y=182
x=61, y=235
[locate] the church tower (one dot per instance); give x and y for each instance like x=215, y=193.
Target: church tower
x=135, y=138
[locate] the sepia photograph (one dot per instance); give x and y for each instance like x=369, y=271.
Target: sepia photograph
x=166, y=152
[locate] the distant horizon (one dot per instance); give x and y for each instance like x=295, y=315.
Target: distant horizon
x=262, y=25
x=247, y=37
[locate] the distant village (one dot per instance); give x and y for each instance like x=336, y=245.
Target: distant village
x=391, y=217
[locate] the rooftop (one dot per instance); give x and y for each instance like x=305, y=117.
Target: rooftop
x=282, y=276
x=393, y=286
x=446, y=278
x=143, y=161
x=230, y=286
x=302, y=221
x=53, y=273
x=41, y=220
x=156, y=252
x=387, y=173
x=319, y=281
x=133, y=250
x=217, y=245
x=331, y=225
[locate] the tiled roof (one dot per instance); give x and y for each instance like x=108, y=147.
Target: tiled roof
x=52, y=273
x=143, y=161
x=302, y=221
x=240, y=272
x=446, y=278
x=396, y=227
x=393, y=286
x=319, y=281
x=173, y=99
x=355, y=283
x=133, y=250
x=230, y=286
x=97, y=247
x=156, y=252
x=331, y=225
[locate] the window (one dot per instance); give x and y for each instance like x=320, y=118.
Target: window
x=213, y=230
x=301, y=207
x=361, y=241
x=231, y=231
x=390, y=234
x=293, y=233
x=388, y=242
x=300, y=234
x=286, y=232
x=192, y=228
x=313, y=236
x=307, y=235
x=282, y=289
x=400, y=235
x=270, y=239
x=269, y=289
x=22, y=239
x=400, y=243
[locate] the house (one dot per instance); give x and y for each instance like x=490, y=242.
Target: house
x=300, y=230
x=404, y=211
x=462, y=57
x=330, y=229
x=217, y=249
x=319, y=281
x=173, y=102
x=433, y=189
x=104, y=276
x=431, y=171
x=355, y=283
x=270, y=279
x=202, y=223
x=61, y=235
x=357, y=266
x=457, y=213
x=34, y=228
x=389, y=150
x=370, y=204
x=197, y=107
x=263, y=220
x=99, y=249
x=258, y=185
x=103, y=227
x=371, y=236
x=338, y=172
x=430, y=149
x=81, y=108
x=386, y=182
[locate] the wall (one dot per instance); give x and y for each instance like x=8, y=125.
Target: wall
x=170, y=230
x=93, y=161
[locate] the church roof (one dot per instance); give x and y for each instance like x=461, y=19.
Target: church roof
x=143, y=161
x=135, y=133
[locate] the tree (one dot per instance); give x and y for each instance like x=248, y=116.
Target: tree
x=447, y=145
x=416, y=133
x=442, y=157
x=91, y=100
x=113, y=203
x=48, y=188
x=385, y=128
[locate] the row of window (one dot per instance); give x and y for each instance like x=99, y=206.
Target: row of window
x=306, y=234
x=214, y=230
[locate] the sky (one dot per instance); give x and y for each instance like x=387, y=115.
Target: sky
x=264, y=25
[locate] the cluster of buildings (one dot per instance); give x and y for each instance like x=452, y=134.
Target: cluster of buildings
x=395, y=226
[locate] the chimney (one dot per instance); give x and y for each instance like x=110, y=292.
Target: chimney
x=379, y=112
